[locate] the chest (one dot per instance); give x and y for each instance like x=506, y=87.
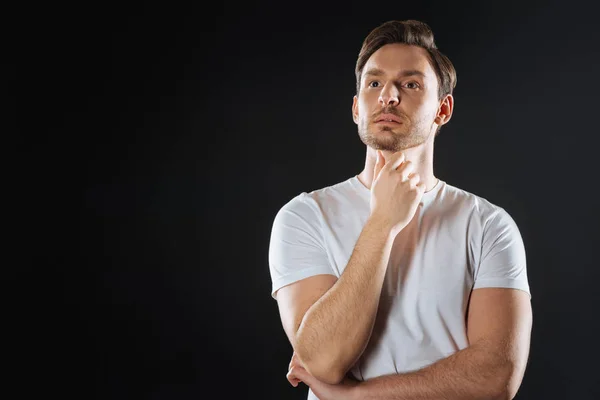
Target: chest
x=431, y=263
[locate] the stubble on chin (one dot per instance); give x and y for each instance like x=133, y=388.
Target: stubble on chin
x=393, y=139
x=385, y=138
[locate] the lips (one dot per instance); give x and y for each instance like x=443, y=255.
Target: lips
x=388, y=118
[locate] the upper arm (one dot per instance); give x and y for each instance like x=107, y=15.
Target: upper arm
x=297, y=248
x=501, y=320
x=299, y=264
x=503, y=260
x=295, y=299
x=499, y=317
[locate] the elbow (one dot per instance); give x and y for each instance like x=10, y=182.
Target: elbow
x=505, y=395
x=509, y=384
x=510, y=390
x=497, y=392
x=325, y=372
x=502, y=395
x=323, y=368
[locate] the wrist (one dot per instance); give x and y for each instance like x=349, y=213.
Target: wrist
x=384, y=226
x=356, y=393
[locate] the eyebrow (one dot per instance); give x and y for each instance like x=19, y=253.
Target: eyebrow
x=408, y=72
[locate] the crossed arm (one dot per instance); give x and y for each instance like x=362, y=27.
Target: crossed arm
x=329, y=322
x=498, y=327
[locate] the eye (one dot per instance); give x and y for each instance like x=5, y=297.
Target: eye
x=374, y=84
x=412, y=85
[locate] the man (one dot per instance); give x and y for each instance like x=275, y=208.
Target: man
x=394, y=284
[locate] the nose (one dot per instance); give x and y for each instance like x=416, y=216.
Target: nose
x=389, y=95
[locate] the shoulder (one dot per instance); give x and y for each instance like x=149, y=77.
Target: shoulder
x=491, y=219
x=323, y=199
x=474, y=204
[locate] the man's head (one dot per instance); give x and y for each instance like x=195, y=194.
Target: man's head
x=402, y=76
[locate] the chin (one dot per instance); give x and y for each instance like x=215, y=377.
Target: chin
x=378, y=143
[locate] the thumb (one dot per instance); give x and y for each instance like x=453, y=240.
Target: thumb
x=379, y=163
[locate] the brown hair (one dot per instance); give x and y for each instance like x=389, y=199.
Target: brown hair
x=414, y=33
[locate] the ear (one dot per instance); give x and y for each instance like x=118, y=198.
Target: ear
x=445, y=110
x=355, y=109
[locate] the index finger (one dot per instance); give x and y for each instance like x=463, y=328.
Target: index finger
x=395, y=160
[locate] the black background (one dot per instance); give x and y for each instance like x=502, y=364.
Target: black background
x=174, y=135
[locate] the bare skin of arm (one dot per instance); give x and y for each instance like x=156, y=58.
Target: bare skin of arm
x=328, y=321
x=492, y=367
x=335, y=329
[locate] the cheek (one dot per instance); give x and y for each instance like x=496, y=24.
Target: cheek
x=363, y=114
x=425, y=109
x=363, y=107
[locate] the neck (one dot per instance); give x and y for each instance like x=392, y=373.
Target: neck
x=421, y=156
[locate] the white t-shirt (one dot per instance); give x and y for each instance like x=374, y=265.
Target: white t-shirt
x=455, y=243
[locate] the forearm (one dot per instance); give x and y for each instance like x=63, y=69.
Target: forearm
x=335, y=330
x=473, y=373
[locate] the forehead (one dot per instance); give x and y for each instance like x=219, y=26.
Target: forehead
x=397, y=57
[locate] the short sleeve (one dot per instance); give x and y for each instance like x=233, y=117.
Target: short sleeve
x=296, y=248
x=503, y=262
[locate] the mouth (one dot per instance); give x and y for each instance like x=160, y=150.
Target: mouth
x=388, y=119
